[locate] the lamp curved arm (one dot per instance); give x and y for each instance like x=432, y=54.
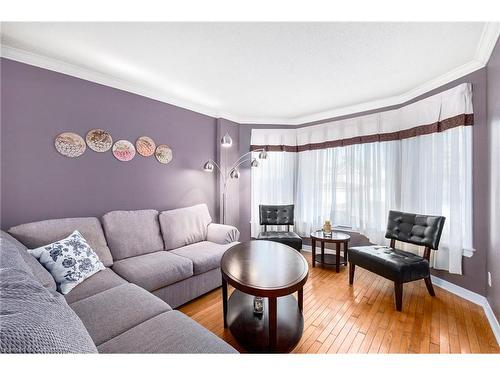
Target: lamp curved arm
x=224, y=177
x=238, y=163
x=241, y=162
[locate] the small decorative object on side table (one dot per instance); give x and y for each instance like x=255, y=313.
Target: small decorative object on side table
x=327, y=229
x=258, y=306
x=335, y=237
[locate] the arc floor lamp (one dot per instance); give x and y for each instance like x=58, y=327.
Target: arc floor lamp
x=232, y=172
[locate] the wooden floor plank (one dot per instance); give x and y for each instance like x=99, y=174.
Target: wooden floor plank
x=444, y=340
x=362, y=318
x=425, y=340
x=356, y=344
x=471, y=330
x=462, y=331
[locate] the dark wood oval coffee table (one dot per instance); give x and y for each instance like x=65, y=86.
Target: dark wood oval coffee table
x=273, y=271
x=326, y=259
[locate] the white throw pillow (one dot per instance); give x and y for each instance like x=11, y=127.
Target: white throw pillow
x=70, y=261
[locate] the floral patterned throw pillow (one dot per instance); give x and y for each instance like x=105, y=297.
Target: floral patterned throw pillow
x=70, y=261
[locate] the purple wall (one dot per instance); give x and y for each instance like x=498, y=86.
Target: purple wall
x=493, y=256
x=38, y=183
x=474, y=268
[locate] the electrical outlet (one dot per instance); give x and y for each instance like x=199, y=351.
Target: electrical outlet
x=489, y=278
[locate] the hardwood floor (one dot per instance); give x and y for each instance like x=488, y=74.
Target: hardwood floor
x=363, y=319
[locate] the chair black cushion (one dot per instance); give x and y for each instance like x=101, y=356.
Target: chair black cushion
x=422, y=230
x=287, y=238
x=396, y=265
x=276, y=214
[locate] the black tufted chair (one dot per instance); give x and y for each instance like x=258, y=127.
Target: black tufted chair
x=279, y=215
x=398, y=265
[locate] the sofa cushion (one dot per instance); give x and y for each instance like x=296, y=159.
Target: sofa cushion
x=132, y=233
x=184, y=226
x=35, y=319
x=154, y=271
x=114, y=311
x=170, y=332
x=38, y=271
x=183, y=291
x=205, y=255
x=41, y=233
x=97, y=283
x=70, y=261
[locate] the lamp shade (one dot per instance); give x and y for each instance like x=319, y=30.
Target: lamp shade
x=226, y=141
x=234, y=173
x=208, y=166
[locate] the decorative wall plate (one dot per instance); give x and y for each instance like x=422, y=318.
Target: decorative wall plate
x=99, y=140
x=145, y=146
x=123, y=150
x=164, y=154
x=70, y=144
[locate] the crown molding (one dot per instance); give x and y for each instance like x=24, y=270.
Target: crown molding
x=95, y=76
x=487, y=43
x=396, y=100
x=485, y=47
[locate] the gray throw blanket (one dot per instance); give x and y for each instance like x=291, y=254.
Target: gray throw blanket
x=34, y=319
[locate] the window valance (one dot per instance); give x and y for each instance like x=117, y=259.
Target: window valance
x=436, y=113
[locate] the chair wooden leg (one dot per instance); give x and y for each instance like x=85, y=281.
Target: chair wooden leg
x=430, y=288
x=398, y=292
x=352, y=268
x=322, y=253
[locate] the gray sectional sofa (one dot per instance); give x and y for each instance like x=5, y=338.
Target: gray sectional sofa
x=154, y=263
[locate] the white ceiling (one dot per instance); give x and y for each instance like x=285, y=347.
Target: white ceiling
x=288, y=73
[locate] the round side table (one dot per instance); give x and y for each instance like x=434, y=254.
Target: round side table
x=273, y=271
x=336, y=260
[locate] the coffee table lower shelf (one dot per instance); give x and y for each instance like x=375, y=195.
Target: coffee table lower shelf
x=252, y=331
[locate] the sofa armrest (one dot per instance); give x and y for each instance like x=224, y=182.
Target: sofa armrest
x=222, y=234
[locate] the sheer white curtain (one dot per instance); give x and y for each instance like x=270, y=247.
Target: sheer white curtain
x=273, y=182
x=436, y=179
x=353, y=186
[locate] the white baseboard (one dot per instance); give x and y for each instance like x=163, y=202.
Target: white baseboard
x=473, y=297
x=458, y=290
x=461, y=292
x=492, y=319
